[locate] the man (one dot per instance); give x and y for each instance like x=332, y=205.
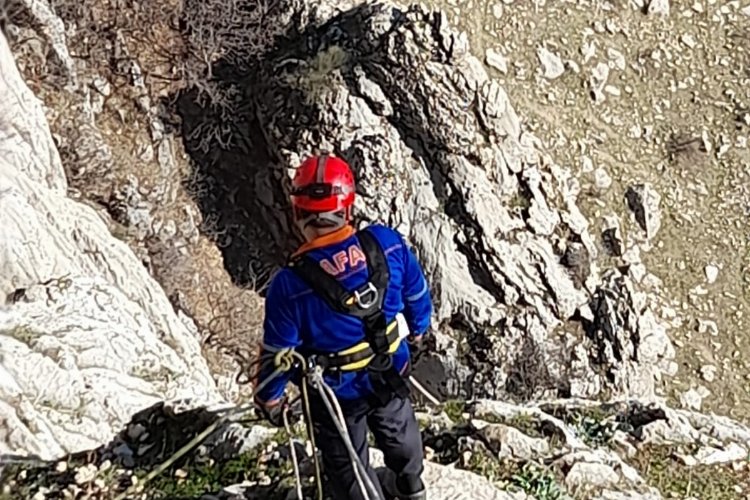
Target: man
x=349, y=299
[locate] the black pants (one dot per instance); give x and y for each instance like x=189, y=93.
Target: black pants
x=396, y=433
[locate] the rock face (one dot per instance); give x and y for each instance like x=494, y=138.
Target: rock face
x=441, y=154
x=87, y=337
x=550, y=449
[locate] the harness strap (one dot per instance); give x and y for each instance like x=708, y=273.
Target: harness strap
x=365, y=303
x=379, y=275
x=360, y=355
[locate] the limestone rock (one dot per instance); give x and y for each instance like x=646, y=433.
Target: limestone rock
x=584, y=474
x=658, y=7
x=614, y=328
x=552, y=65
x=644, y=201
x=493, y=220
x=612, y=236
x=711, y=456
x=511, y=442
x=692, y=399
x=87, y=337
x=497, y=60
x=712, y=273
x=448, y=483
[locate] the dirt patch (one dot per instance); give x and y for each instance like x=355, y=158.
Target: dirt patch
x=661, y=468
x=647, y=99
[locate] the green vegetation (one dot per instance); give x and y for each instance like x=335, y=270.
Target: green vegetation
x=455, y=409
x=594, y=425
x=22, y=333
x=595, y=433
x=525, y=423
x=195, y=480
x=531, y=478
x=321, y=74
x=539, y=482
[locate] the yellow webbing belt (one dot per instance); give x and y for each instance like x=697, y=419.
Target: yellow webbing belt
x=362, y=346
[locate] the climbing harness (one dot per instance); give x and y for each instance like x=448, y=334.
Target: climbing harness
x=313, y=375
x=365, y=303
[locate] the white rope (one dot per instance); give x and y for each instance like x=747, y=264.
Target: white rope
x=363, y=478
x=293, y=451
x=355, y=463
x=432, y=399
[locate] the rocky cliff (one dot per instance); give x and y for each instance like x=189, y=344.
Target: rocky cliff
x=523, y=309
x=531, y=304
x=87, y=336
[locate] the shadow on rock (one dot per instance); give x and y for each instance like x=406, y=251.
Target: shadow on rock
x=232, y=454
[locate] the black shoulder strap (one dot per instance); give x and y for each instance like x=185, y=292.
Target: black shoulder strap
x=365, y=303
x=321, y=282
x=377, y=265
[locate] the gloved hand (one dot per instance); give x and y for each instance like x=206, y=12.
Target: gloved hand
x=273, y=413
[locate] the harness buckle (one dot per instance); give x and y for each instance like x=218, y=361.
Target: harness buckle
x=362, y=299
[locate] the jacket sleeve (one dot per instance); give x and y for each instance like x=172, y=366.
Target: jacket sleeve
x=280, y=331
x=416, y=293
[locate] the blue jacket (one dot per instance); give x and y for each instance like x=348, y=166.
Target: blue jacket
x=295, y=317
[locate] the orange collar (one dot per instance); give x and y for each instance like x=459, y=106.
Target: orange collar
x=328, y=239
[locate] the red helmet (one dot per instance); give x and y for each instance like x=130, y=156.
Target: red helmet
x=323, y=184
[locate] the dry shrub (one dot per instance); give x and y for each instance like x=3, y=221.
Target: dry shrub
x=529, y=376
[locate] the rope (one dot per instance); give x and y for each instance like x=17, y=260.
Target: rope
x=205, y=433
x=311, y=435
x=295, y=463
x=432, y=399
x=369, y=492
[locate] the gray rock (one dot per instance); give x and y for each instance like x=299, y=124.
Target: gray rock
x=691, y=399
x=591, y=475
x=513, y=443
x=602, y=180
x=712, y=273
x=497, y=60
x=707, y=326
x=644, y=201
x=658, y=8
x=712, y=456
x=708, y=372
x=598, y=80
x=653, y=494
x=52, y=28
x=612, y=236
x=448, y=483
x=552, y=65
x=617, y=326
x=85, y=474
